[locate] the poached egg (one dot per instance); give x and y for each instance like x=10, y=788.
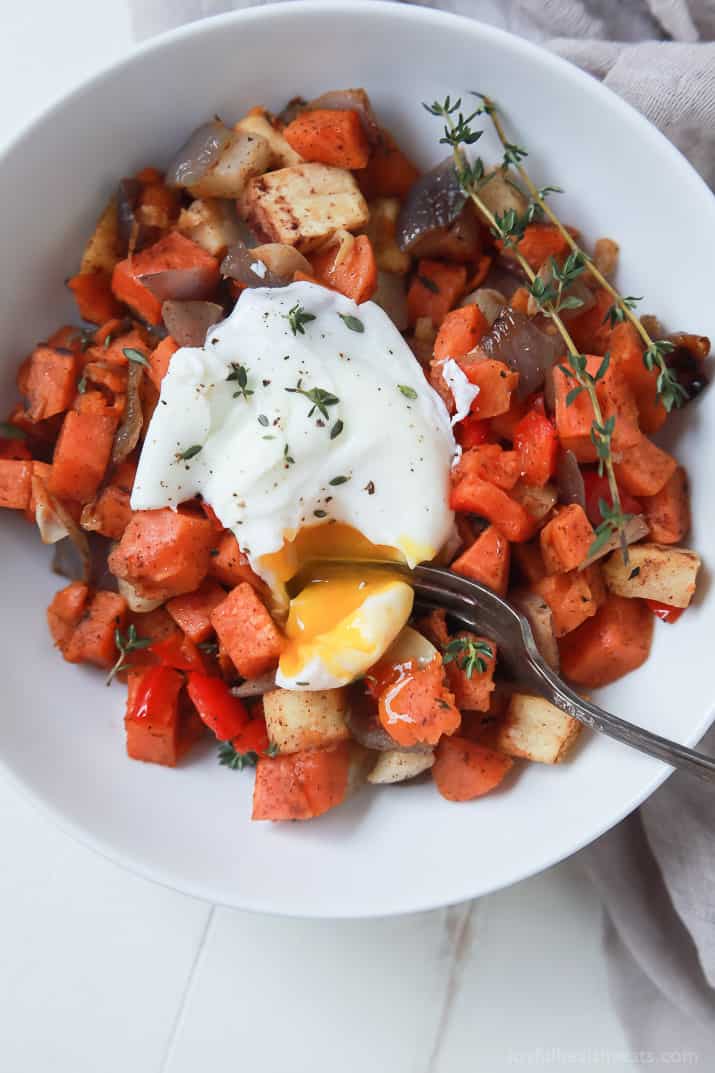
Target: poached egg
x=307, y=425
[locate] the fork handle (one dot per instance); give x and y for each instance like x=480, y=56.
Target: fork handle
x=678, y=756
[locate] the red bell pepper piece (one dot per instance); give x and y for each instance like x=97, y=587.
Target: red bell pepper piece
x=597, y=488
x=471, y=431
x=253, y=738
x=223, y=713
x=178, y=652
x=664, y=612
x=155, y=698
x=537, y=444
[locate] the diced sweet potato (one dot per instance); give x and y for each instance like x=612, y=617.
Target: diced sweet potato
x=354, y=275
x=435, y=289
x=414, y=704
x=570, y=598
x=575, y=416
x=152, y=720
x=302, y=785
x=82, y=455
x=247, y=631
x=614, y=642
x=192, y=610
x=50, y=383
x=92, y=640
x=464, y=769
x=230, y=566
x=644, y=469
x=668, y=511
x=486, y=561
x=163, y=553
x=539, y=242
x=566, y=539
x=626, y=351
x=93, y=295
x=389, y=173
x=110, y=513
x=15, y=483
x=460, y=332
x=66, y=610
x=590, y=330
x=159, y=360
x=329, y=136
x=171, y=253
x=472, y=688
x=480, y=497
x=496, y=383
x=489, y=462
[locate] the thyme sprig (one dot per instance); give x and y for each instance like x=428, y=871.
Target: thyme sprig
x=125, y=645
x=509, y=227
x=468, y=654
x=320, y=398
x=298, y=318
x=668, y=389
x=239, y=375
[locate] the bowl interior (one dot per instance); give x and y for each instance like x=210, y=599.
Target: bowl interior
x=61, y=736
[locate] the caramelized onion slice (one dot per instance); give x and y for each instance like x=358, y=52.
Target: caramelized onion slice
x=183, y=284
x=188, y=322
x=434, y=202
x=569, y=480
x=129, y=431
x=199, y=154
x=515, y=340
x=270, y=265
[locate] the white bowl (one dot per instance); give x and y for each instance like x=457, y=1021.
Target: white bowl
x=61, y=736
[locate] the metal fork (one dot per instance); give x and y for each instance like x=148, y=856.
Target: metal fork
x=481, y=609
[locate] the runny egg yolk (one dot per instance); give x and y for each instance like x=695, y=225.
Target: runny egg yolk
x=343, y=617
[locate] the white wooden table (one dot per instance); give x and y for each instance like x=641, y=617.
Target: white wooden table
x=103, y=972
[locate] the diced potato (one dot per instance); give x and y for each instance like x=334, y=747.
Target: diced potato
x=538, y=614
x=102, y=251
x=304, y=204
x=396, y=766
x=297, y=720
x=534, y=729
x=500, y=194
x=245, y=156
x=140, y=605
x=284, y=155
x=381, y=232
x=654, y=572
x=211, y=223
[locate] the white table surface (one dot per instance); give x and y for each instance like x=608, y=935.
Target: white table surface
x=104, y=972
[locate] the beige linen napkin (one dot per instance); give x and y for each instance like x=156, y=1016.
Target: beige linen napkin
x=656, y=871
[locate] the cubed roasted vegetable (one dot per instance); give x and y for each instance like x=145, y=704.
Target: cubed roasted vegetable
x=304, y=204
x=654, y=572
x=533, y=729
x=297, y=720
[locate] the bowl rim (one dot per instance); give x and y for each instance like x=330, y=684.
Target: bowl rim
x=562, y=70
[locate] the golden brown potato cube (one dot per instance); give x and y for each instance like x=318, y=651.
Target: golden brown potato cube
x=534, y=729
x=304, y=204
x=654, y=572
x=245, y=156
x=396, y=766
x=297, y=720
x=211, y=223
x=284, y=155
x=102, y=251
